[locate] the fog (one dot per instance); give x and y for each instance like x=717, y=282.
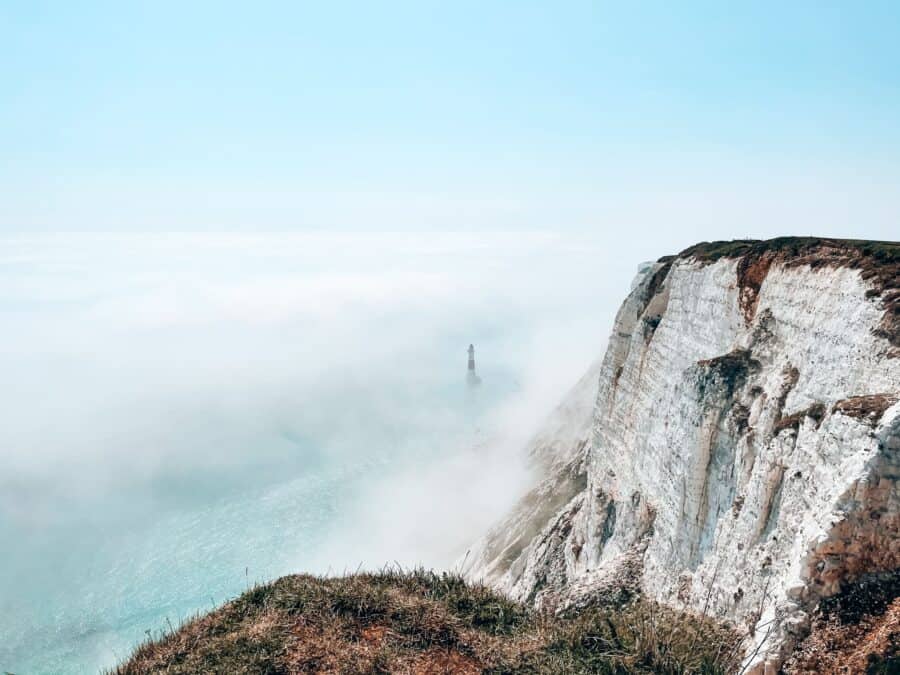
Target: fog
x=184, y=415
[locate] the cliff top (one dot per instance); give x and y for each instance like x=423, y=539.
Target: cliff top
x=808, y=248
x=877, y=261
x=422, y=622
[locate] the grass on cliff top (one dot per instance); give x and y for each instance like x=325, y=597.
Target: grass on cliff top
x=881, y=251
x=423, y=622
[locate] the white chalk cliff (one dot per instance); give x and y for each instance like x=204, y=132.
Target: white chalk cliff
x=736, y=451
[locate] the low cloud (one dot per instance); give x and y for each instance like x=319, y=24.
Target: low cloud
x=182, y=408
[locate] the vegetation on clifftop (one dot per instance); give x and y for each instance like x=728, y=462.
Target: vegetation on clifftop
x=885, y=252
x=422, y=622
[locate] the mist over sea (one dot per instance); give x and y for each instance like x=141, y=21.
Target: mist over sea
x=186, y=415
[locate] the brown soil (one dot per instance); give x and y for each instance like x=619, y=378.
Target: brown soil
x=751, y=272
x=861, y=648
x=816, y=412
x=869, y=408
x=856, y=632
x=445, y=662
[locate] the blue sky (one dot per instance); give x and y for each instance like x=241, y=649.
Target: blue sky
x=709, y=118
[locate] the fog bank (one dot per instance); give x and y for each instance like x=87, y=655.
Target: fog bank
x=185, y=414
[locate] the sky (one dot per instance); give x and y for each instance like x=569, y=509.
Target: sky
x=673, y=121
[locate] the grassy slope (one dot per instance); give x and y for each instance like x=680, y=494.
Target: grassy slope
x=422, y=622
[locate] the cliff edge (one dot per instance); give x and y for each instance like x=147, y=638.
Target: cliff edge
x=743, y=448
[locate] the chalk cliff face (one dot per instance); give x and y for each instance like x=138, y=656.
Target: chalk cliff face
x=737, y=450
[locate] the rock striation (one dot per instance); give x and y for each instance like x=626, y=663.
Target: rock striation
x=736, y=451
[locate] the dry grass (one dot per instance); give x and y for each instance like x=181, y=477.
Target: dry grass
x=421, y=623
x=887, y=252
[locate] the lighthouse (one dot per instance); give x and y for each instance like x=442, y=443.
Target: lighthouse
x=471, y=377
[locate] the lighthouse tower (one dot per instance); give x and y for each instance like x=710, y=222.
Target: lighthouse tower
x=471, y=377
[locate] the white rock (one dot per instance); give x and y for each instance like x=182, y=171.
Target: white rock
x=685, y=471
